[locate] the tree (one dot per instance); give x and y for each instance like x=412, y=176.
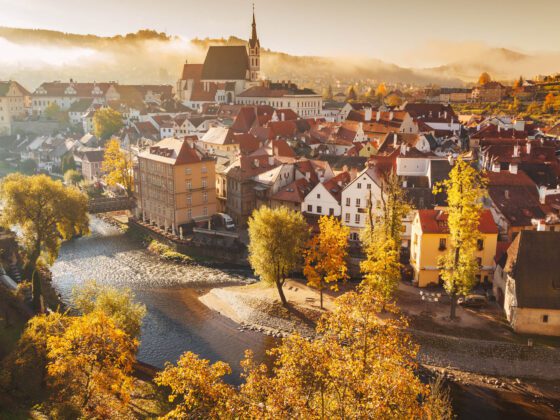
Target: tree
x=72, y=177
x=393, y=100
x=90, y=365
x=518, y=83
x=465, y=189
x=351, y=94
x=28, y=167
x=67, y=163
x=381, y=238
x=117, y=166
x=548, y=104
x=325, y=255
x=54, y=113
x=45, y=212
x=370, y=95
x=106, y=122
x=484, y=78
x=516, y=105
x=118, y=305
x=328, y=93
x=198, y=388
x=381, y=91
x=276, y=240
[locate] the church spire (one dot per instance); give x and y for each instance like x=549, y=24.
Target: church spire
x=254, y=38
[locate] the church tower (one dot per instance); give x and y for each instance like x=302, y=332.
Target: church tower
x=254, y=52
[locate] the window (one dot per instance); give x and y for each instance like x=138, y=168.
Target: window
x=204, y=169
x=479, y=261
x=204, y=182
x=348, y=201
x=357, y=218
x=347, y=217
x=189, y=200
x=442, y=244
x=480, y=244
x=545, y=318
x=310, y=208
x=368, y=186
x=318, y=195
x=205, y=197
x=205, y=211
x=331, y=212
x=358, y=202
x=189, y=184
x=359, y=185
x=319, y=209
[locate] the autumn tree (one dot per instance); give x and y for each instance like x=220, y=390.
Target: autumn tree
x=518, y=83
x=72, y=177
x=484, y=78
x=381, y=91
x=197, y=388
x=381, y=237
x=351, y=94
x=45, y=212
x=90, y=365
x=465, y=189
x=117, y=304
x=106, y=122
x=117, y=166
x=548, y=104
x=393, y=100
x=276, y=241
x=325, y=255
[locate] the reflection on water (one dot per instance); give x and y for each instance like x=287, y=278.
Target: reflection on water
x=176, y=321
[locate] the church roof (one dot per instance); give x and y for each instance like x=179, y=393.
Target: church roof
x=226, y=63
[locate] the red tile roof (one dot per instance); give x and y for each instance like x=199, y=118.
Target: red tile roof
x=294, y=192
x=435, y=221
x=192, y=71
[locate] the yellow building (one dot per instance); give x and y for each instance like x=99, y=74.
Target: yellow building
x=177, y=184
x=430, y=240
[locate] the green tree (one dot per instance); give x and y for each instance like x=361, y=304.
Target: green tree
x=72, y=177
x=28, y=167
x=106, y=122
x=325, y=255
x=465, y=189
x=118, y=304
x=45, y=212
x=53, y=112
x=118, y=166
x=67, y=163
x=276, y=241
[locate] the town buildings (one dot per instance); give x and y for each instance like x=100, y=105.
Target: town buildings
x=13, y=104
x=176, y=184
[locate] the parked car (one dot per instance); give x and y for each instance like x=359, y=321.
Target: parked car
x=473, y=301
x=222, y=220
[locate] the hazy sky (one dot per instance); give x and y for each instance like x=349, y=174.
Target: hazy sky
x=389, y=30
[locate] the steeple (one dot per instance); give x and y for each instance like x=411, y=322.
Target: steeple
x=254, y=52
x=254, y=41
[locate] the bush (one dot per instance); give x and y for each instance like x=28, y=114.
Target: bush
x=167, y=253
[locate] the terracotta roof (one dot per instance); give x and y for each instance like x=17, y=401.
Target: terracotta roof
x=192, y=71
x=246, y=167
x=93, y=155
x=283, y=128
x=146, y=128
x=247, y=142
x=175, y=152
x=281, y=148
x=336, y=184
x=435, y=221
x=200, y=94
x=83, y=90
x=534, y=265
x=294, y=192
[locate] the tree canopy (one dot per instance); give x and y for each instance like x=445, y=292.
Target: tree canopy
x=484, y=78
x=118, y=166
x=276, y=241
x=106, y=122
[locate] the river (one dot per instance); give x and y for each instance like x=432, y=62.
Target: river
x=176, y=321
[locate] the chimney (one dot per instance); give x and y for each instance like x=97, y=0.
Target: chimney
x=377, y=116
x=403, y=149
x=528, y=147
x=404, y=184
x=391, y=114
x=513, y=168
x=516, y=151
x=367, y=114
x=282, y=117
x=506, y=194
x=496, y=167
x=541, y=225
x=271, y=160
x=256, y=163
x=445, y=115
x=308, y=176
x=499, y=128
x=395, y=139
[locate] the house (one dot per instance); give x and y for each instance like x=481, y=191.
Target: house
x=176, y=184
x=528, y=285
x=292, y=195
x=92, y=161
x=65, y=94
x=78, y=109
x=13, y=98
x=430, y=238
x=489, y=92
x=324, y=198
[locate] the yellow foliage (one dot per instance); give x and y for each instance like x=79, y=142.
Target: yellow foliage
x=117, y=166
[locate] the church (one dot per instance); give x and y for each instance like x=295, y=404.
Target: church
x=227, y=71
x=231, y=75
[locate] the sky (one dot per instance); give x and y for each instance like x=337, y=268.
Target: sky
x=394, y=31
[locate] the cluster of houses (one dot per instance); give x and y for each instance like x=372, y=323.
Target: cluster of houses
x=226, y=141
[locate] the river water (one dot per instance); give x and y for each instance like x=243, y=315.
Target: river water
x=176, y=321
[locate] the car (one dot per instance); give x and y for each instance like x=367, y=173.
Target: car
x=222, y=220
x=473, y=301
